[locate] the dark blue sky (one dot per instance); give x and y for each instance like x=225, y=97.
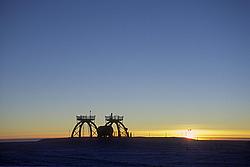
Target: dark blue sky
x=174, y=62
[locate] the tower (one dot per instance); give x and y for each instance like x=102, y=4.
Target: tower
x=81, y=120
x=118, y=121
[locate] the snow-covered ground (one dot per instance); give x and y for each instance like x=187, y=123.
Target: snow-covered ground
x=125, y=152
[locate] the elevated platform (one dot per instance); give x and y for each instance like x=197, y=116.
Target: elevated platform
x=85, y=118
x=114, y=118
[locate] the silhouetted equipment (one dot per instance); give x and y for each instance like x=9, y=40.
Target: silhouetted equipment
x=89, y=120
x=105, y=131
x=117, y=120
x=101, y=131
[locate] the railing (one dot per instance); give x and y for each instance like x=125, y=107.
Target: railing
x=85, y=117
x=115, y=117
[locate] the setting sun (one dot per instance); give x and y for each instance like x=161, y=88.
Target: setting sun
x=189, y=134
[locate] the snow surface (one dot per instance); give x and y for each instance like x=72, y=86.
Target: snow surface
x=125, y=152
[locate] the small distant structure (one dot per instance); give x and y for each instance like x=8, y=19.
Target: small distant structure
x=101, y=131
x=118, y=121
x=189, y=134
x=81, y=120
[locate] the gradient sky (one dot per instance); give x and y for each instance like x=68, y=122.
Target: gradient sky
x=162, y=64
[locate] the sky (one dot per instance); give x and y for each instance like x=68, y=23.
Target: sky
x=165, y=65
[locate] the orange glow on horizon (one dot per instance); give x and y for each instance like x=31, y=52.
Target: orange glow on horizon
x=200, y=134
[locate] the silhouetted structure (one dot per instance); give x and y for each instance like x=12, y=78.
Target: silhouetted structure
x=89, y=120
x=117, y=120
x=101, y=131
x=104, y=131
